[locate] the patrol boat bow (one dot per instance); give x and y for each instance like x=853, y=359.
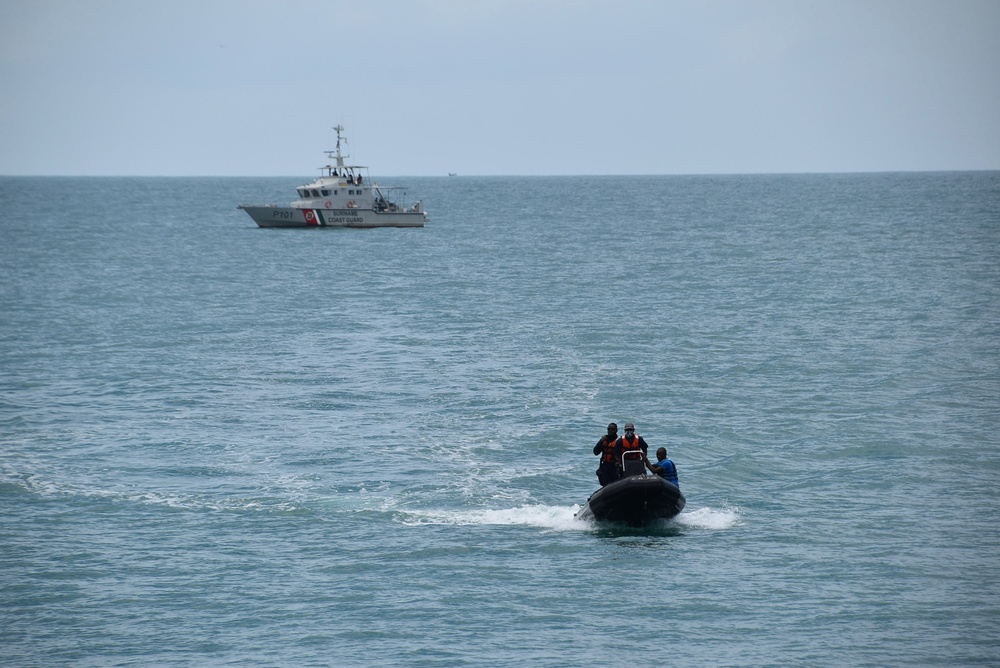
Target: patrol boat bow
x=343, y=197
x=636, y=499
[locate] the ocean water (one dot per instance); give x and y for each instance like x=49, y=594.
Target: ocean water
x=227, y=446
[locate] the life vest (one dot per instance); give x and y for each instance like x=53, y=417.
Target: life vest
x=627, y=446
x=669, y=470
x=607, y=450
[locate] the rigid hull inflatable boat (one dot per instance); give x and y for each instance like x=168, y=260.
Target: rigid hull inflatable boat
x=636, y=499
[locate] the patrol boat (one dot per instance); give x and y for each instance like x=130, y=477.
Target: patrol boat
x=343, y=196
x=636, y=499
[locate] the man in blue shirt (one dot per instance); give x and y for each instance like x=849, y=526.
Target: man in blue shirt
x=664, y=467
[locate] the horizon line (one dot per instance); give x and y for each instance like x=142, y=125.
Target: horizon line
x=536, y=176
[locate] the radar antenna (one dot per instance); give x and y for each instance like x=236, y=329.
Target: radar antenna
x=336, y=153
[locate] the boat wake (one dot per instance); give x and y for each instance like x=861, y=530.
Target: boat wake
x=713, y=519
x=562, y=518
x=556, y=518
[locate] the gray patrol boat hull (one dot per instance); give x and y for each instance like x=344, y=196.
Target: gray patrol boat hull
x=284, y=216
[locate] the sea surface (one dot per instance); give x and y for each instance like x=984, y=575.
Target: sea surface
x=228, y=446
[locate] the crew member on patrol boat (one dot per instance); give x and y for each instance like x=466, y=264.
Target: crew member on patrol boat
x=607, y=471
x=664, y=467
x=630, y=442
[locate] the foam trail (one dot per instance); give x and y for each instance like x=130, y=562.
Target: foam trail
x=711, y=518
x=561, y=518
x=558, y=518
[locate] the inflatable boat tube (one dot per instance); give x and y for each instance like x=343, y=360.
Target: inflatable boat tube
x=635, y=500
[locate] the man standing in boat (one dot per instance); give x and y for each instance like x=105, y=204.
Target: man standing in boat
x=630, y=442
x=607, y=471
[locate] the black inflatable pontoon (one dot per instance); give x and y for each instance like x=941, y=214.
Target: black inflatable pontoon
x=636, y=500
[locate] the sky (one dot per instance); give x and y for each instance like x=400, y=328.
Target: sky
x=498, y=87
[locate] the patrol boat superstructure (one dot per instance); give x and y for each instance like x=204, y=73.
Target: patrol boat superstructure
x=343, y=196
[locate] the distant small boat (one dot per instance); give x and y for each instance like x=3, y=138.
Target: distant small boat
x=344, y=197
x=636, y=499
x=452, y=173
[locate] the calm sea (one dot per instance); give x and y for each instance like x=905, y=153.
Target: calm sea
x=227, y=446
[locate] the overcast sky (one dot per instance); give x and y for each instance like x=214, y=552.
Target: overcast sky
x=253, y=87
